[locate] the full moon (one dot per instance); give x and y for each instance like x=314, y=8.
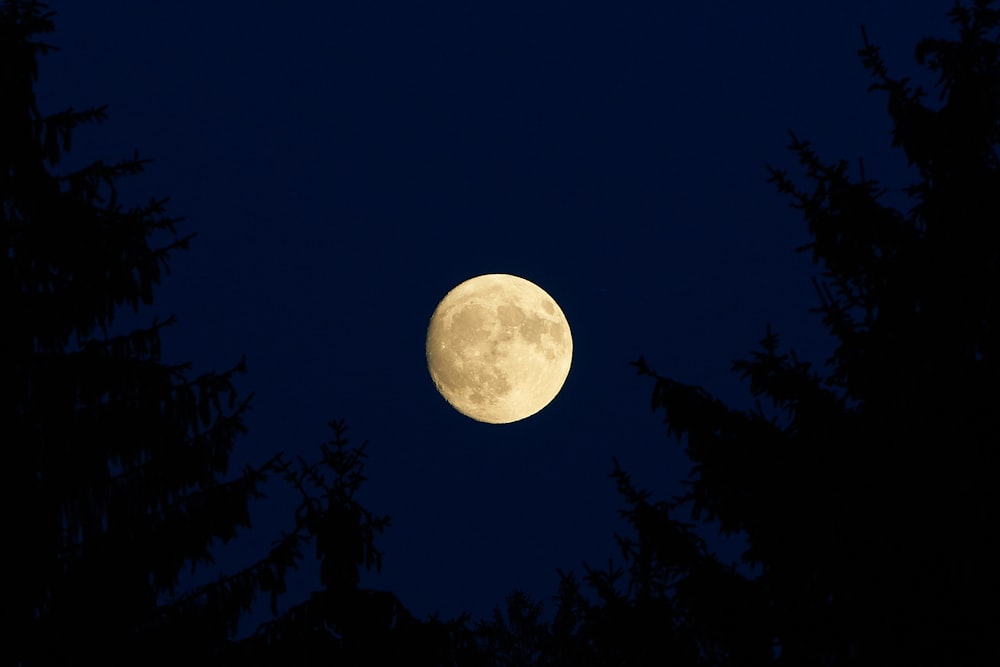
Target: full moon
x=498, y=348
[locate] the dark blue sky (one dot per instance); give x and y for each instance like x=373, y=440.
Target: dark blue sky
x=345, y=164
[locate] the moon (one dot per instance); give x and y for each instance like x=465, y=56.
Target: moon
x=499, y=348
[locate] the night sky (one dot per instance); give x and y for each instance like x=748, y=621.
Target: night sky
x=345, y=164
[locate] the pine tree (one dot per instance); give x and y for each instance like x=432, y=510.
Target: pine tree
x=120, y=461
x=867, y=493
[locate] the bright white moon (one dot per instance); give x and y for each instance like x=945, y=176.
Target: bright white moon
x=498, y=348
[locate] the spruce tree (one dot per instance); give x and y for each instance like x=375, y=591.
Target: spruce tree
x=119, y=461
x=866, y=491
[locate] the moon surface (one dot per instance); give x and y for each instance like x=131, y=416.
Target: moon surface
x=498, y=348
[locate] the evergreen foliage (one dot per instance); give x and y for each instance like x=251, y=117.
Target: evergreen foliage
x=867, y=493
x=119, y=461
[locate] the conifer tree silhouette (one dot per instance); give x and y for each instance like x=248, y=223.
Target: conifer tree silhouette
x=867, y=493
x=118, y=463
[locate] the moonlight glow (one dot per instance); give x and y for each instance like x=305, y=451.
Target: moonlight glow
x=498, y=348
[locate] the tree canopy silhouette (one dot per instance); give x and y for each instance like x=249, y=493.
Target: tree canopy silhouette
x=120, y=461
x=867, y=492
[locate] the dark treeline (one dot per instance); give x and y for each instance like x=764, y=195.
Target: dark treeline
x=865, y=491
